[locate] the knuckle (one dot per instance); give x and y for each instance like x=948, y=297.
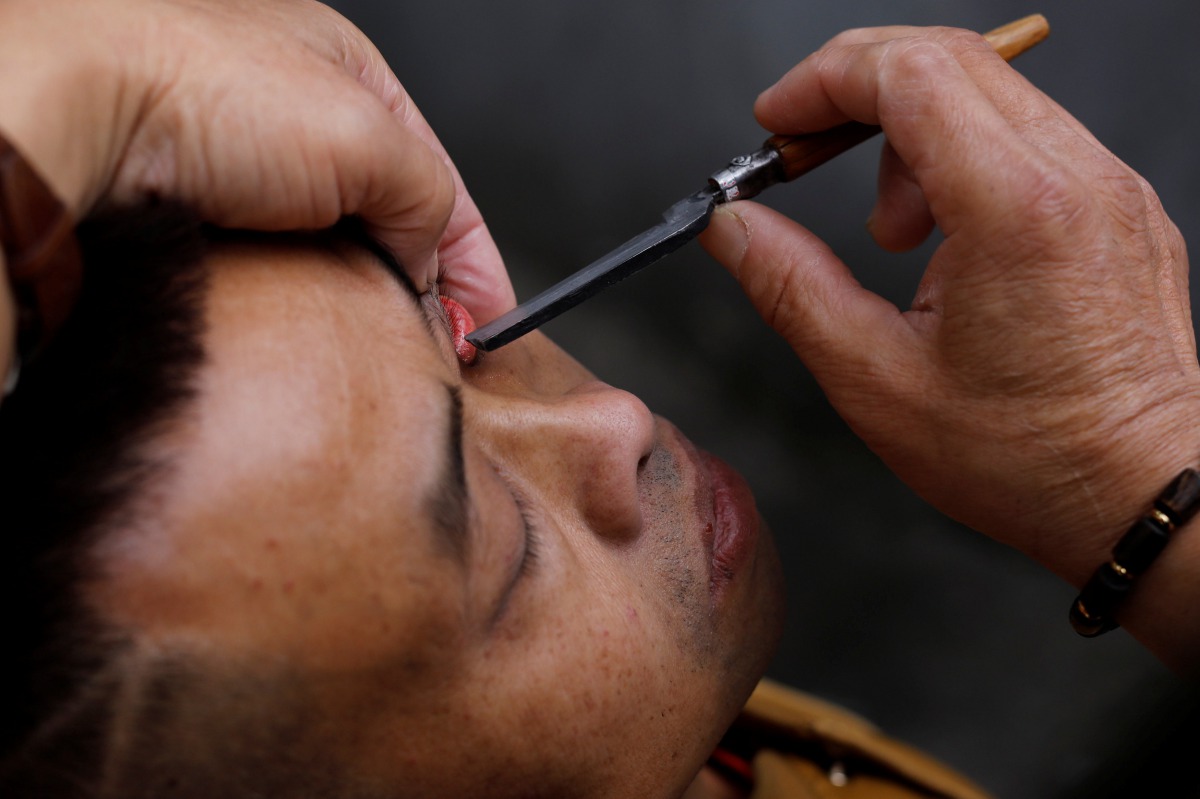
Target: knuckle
x=850, y=36
x=934, y=51
x=1056, y=199
x=960, y=42
x=1131, y=198
x=916, y=54
x=1176, y=244
x=1134, y=207
x=1158, y=224
x=909, y=69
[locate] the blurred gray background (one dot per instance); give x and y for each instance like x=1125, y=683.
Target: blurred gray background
x=576, y=124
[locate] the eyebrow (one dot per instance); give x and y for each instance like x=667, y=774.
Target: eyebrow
x=448, y=501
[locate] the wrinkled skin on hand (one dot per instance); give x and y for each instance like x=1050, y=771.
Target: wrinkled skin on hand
x=272, y=115
x=1043, y=387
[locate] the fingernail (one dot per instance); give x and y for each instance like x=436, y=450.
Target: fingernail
x=730, y=235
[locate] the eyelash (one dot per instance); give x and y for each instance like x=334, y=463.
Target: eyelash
x=454, y=321
x=532, y=543
x=436, y=312
x=532, y=550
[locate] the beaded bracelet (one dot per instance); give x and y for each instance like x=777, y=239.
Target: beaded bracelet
x=1093, y=610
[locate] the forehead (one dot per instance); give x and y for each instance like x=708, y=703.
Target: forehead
x=306, y=461
x=315, y=353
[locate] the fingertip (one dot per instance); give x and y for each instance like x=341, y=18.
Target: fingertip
x=482, y=286
x=901, y=219
x=426, y=271
x=403, y=186
x=416, y=256
x=727, y=237
x=472, y=269
x=763, y=105
x=882, y=232
x=775, y=107
x=899, y=231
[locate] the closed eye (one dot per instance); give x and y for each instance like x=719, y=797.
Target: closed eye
x=530, y=553
x=532, y=542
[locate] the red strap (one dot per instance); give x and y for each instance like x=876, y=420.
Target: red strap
x=732, y=766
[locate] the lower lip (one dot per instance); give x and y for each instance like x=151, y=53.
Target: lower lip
x=735, y=522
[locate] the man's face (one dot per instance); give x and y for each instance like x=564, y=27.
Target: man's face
x=499, y=580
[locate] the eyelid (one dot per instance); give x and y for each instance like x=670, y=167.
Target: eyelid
x=532, y=541
x=435, y=312
x=455, y=321
x=531, y=550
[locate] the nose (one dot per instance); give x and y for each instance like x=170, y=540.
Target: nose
x=584, y=449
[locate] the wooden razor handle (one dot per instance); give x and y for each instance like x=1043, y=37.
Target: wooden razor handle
x=803, y=153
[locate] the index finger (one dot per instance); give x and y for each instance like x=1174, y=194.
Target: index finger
x=963, y=151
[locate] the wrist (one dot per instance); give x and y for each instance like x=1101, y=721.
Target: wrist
x=1163, y=609
x=1111, y=473
x=1160, y=606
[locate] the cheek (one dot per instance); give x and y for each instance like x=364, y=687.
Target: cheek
x=598, y=692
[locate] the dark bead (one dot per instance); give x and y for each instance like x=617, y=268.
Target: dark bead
x=1094, y=610
x=1104, y=592
x=1138, y=548
x=1181, y=499
x=1087, y=626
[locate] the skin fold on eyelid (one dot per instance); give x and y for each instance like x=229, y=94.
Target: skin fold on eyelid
x=532, y=542
x=529, y=551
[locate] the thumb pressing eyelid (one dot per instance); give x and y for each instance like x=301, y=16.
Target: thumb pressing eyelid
x=467, y=259
x=403, y=190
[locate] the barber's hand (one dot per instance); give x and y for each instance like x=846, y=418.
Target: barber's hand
x=272, y=115
x=1043, y=387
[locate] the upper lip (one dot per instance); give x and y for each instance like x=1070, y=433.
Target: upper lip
x=701, y=489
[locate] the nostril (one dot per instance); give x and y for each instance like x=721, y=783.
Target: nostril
x=461, y=324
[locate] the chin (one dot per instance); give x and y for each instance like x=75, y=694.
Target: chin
x=756, y=625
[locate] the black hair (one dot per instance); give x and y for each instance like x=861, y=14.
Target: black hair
x=87, y=709
x=74, y=458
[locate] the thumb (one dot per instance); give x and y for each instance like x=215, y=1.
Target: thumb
x=401, y=187
x=849, y=338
